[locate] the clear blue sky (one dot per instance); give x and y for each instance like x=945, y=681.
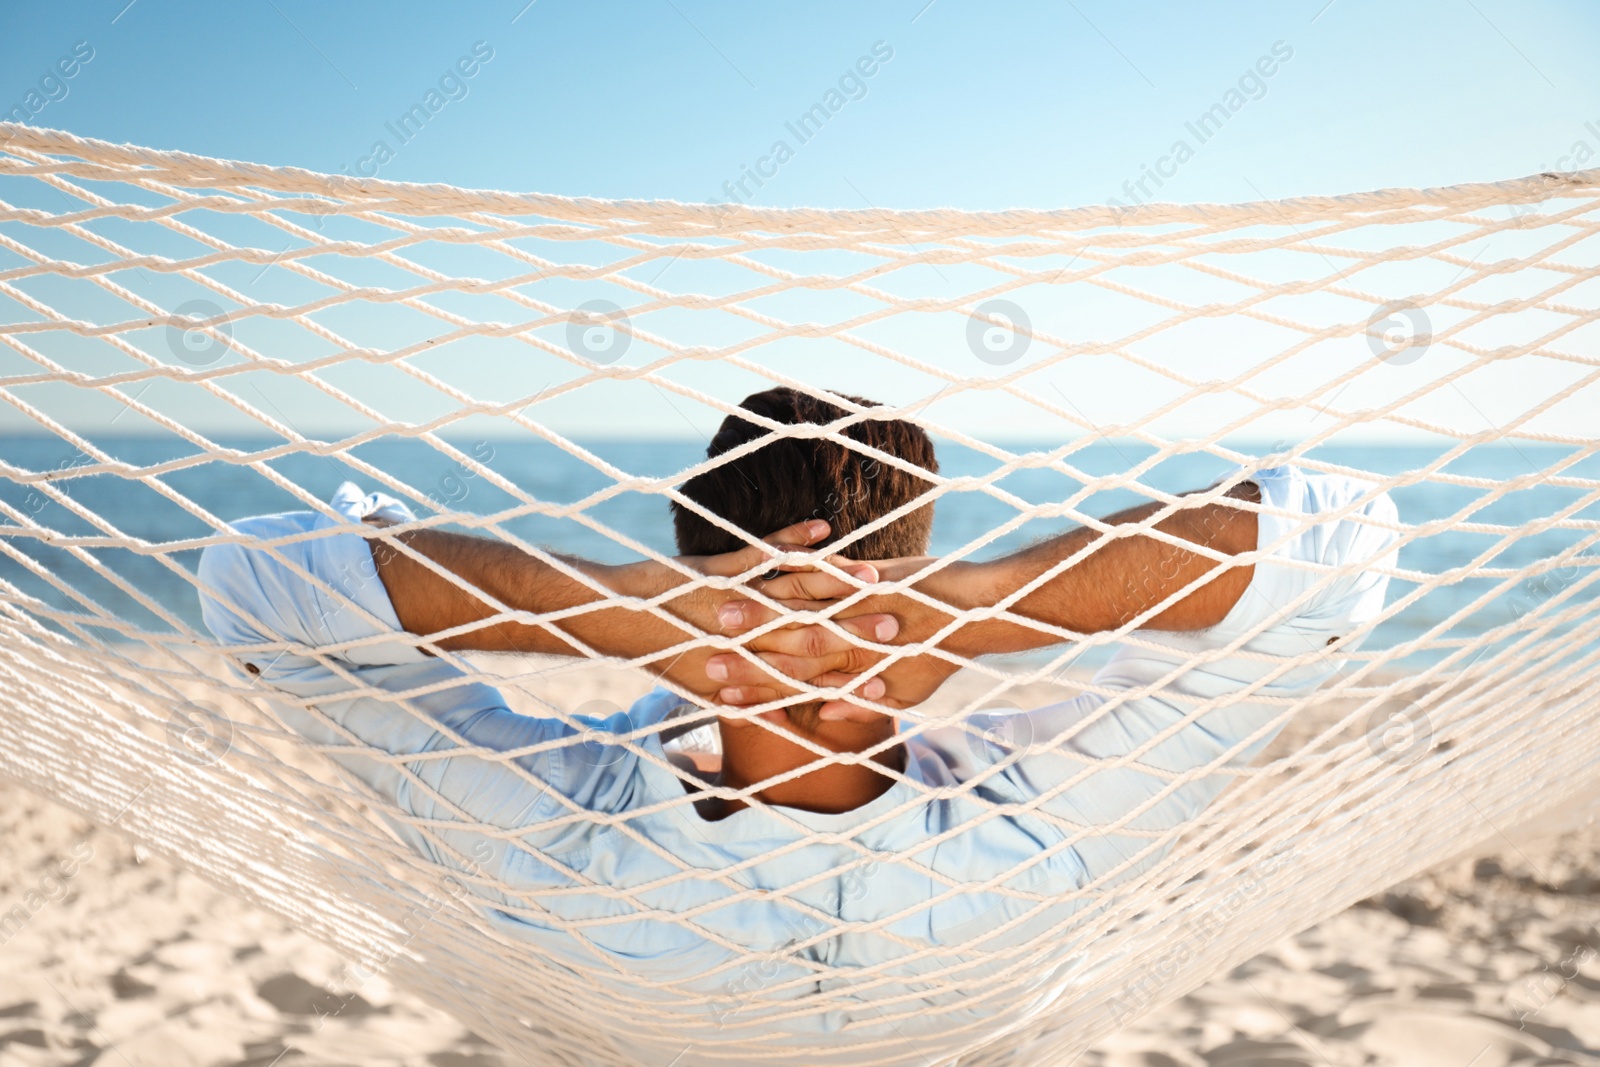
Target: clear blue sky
x=978, y=106
x=983, y=105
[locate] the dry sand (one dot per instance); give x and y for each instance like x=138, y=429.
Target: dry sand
x=118, y=958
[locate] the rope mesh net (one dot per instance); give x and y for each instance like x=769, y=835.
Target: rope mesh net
x=187, y=341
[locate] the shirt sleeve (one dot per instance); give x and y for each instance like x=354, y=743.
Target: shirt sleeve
x=302, y=602
x=1178, y=708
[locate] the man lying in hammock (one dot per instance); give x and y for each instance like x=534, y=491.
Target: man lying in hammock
x=724, y=894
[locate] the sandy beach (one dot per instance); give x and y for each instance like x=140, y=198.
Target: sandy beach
x=117, y=957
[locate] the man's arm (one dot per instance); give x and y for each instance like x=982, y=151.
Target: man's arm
x=1122, y=578
x=496, y=573
x=492, y=572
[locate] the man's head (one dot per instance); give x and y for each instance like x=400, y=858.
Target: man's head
x=792, y=479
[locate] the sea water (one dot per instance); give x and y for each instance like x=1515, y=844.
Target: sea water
x=143, y=581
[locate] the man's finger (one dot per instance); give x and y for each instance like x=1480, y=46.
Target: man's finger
x=736, y=670
x=817, y=585
x=871, y=689
x=740, y=696
x=844, y=711
x=816, y=641
x=737, y=616
x=746, y=695
x=780, y=668
x=805, y=652
x=777, y=715
x=800, y=534
x=751, y=557
x=865, y=572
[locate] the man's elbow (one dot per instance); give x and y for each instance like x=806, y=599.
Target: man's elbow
x=1230, y=529
x=222, y=581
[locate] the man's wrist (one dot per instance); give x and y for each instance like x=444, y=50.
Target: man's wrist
x=978, y=585
x=648, y=579
x=642, y=580
x=962, y=585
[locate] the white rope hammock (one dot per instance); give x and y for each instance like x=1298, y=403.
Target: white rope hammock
x=183, y=337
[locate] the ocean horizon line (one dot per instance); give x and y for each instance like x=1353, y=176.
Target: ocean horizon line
x=1271, y=442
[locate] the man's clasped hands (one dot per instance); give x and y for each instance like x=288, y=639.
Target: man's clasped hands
x=799, y=623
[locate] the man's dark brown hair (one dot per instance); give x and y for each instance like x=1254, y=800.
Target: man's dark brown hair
x=791, y=479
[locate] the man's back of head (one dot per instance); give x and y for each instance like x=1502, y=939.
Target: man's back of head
x=791, y=479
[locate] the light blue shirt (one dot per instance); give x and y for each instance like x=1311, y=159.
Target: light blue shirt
x=854, y=910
